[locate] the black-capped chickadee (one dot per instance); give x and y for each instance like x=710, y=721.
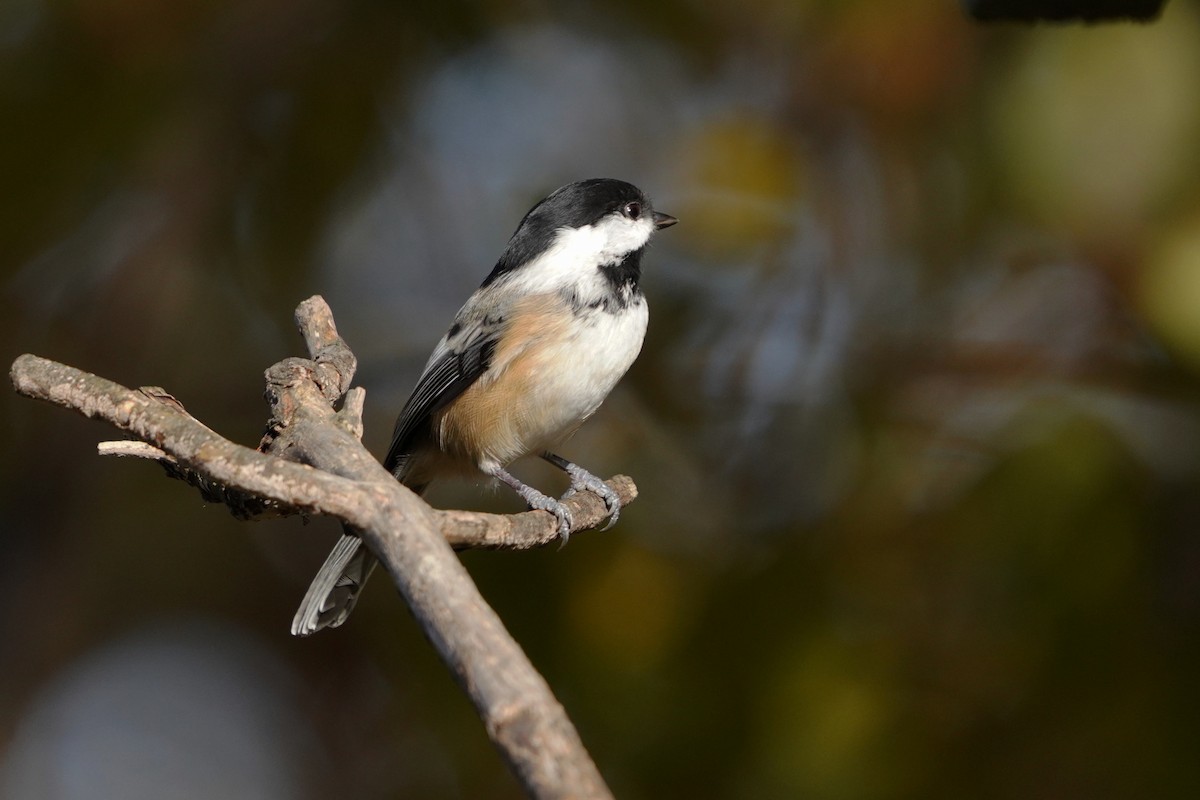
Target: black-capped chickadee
x=529, y=357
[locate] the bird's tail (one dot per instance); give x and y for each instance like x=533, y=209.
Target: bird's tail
x=332, y=594
x=334, y=591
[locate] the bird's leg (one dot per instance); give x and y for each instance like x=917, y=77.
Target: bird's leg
x=582, y=480
x=536, y=500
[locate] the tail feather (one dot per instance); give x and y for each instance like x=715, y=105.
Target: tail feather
x=334, y=591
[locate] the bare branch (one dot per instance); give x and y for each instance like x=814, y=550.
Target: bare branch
x=191, y=444
x=471, y=529
x=336, y=476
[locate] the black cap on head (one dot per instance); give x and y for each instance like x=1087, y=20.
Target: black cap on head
x=584, y=202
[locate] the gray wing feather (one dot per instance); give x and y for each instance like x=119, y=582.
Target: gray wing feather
x=456, y=363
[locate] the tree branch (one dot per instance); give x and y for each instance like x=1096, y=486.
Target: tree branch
x=312, y=462
x=464, y=530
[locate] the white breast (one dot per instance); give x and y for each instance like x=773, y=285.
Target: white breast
x=580, y=370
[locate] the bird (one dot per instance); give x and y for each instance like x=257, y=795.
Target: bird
x=527, y=359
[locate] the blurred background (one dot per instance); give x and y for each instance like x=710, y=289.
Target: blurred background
x=916, y=426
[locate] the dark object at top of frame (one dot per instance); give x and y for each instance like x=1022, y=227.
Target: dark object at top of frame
x=1063, y=10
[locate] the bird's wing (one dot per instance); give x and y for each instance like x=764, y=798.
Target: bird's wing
x=457, y=362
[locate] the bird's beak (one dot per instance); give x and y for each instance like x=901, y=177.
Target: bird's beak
x=662, y=220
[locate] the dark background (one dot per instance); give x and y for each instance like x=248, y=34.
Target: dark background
x=916, y=426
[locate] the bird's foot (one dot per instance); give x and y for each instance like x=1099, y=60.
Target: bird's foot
x=537, y=501
x=582, y=480
x=540, y=502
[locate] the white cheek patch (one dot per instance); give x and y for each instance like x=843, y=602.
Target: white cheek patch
x=578, y=252
x=622, y=236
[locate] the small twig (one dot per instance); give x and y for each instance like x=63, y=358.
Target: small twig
x=350, y=417
x=242, y=505
x=335, y=362
x=126, y=447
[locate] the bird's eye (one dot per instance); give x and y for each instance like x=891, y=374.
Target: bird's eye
x=633, y=210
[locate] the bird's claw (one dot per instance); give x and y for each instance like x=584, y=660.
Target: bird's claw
x=563, y=514
x=582, y=480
